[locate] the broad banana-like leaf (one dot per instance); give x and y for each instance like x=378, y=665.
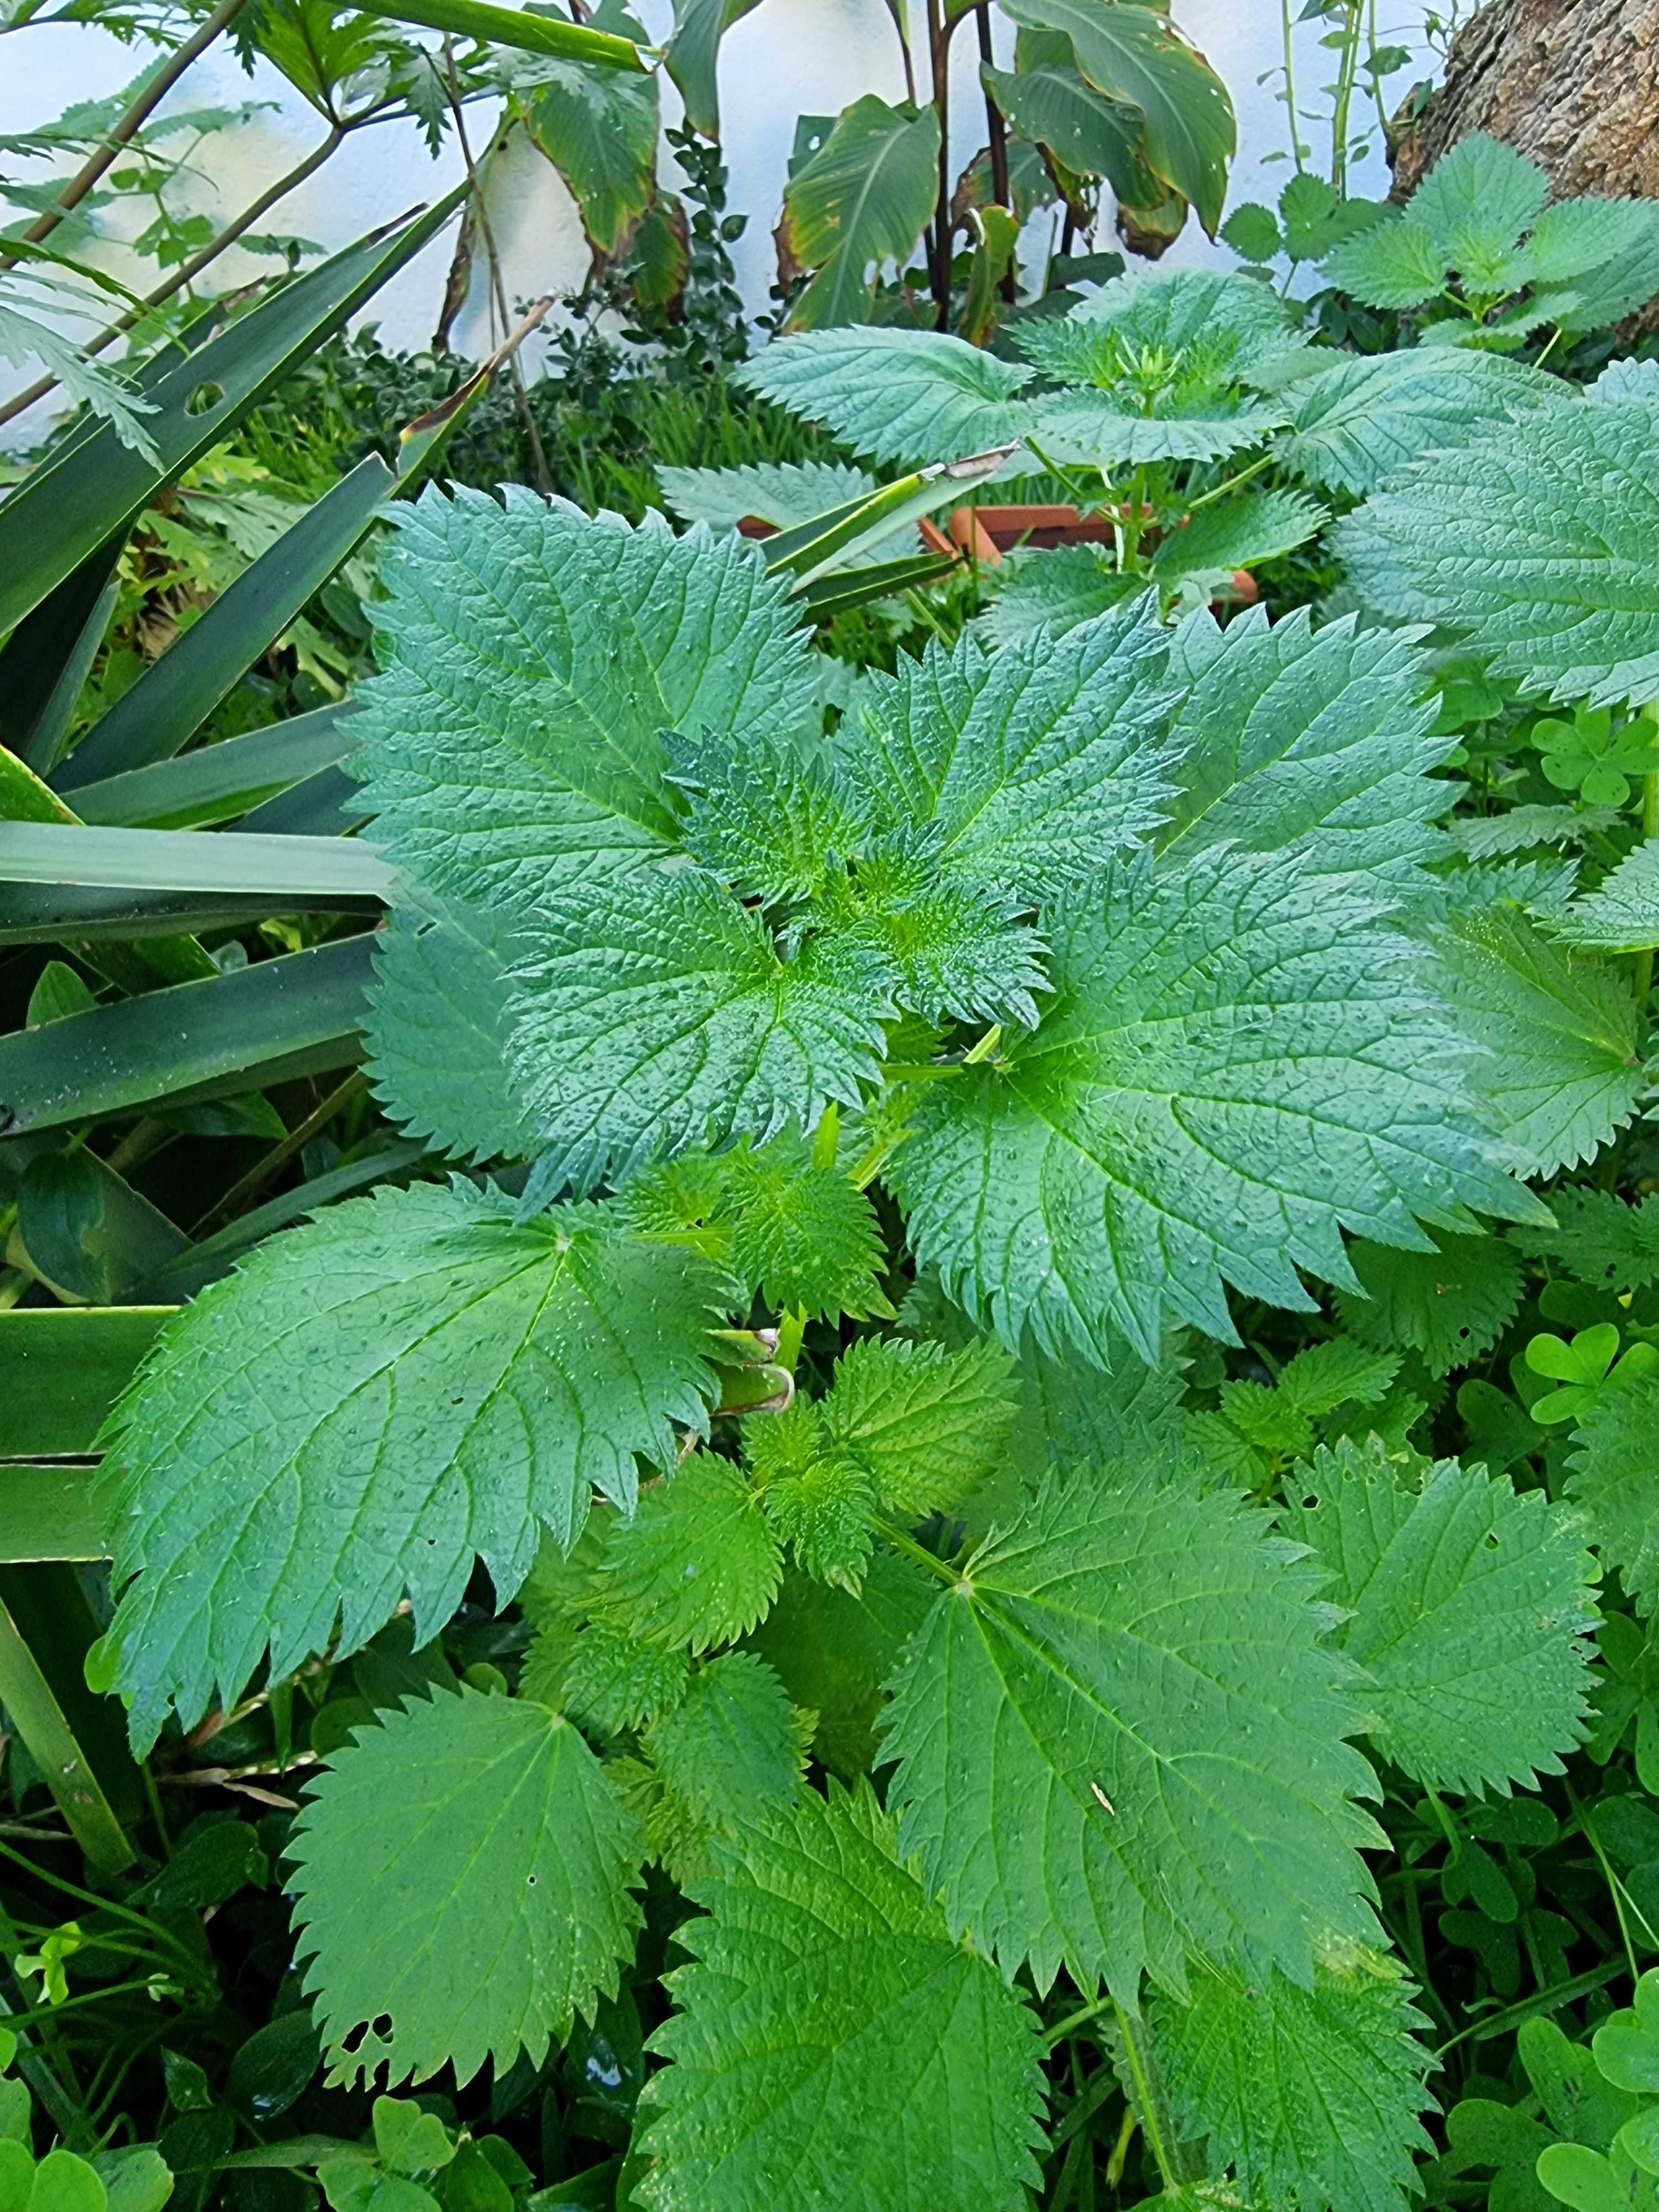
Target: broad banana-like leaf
x=599, y=131
x=1131, y=53
x=864, y=198
x=1048, y=100
x=693, y=56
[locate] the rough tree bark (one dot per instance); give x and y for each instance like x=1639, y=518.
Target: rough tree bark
x=1572, y=83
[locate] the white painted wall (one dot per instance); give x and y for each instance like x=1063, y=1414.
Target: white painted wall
x=788, y=57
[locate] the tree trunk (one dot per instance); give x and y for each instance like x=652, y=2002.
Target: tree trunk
x=1572, y=83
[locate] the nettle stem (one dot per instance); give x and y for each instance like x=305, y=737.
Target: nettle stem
x=1148, y=2098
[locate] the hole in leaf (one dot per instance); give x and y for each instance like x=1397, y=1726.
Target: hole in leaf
x=205, y=398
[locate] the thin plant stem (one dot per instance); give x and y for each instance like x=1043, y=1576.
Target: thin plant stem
x=901, y=25
x=101, y=1903
x=1209, y=498
x=939, y=56
x=1616, y=1889
x=42, y=2016
x=996, y=135
x=188, y=270
x=1377, y=81
x=790, y=1331
x=280, y=1154
x=520, y=397
x=143, y=106
x=1145, y=2101
x=1289, y=83
x=1073, y=2020
x=1347, y=70
x=1499, y=2023
x=917, y=1552
x=1075, y=485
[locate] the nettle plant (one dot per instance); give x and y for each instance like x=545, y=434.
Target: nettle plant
x=866, y=1133
x=1157, y=403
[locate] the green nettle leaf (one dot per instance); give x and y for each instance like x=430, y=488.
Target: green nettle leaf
x=1134, y=55
x=820, y=1501
x=608, y=1679
x=1156, y=368
x=598, y=129
x=1119, y=1735
x=913, y=396
x=438, y=1026
x=1208, y=548
x=1307, y=2095
x=1053, y=591
x=533, y=659
x=1450, y=1301
x=1240, y=1064
x=1072, y=1414
x=1365, y=416
x=1468, y=1607
x=697, y=1565
x=804, y=1235
x=795, y=1229
x=927, y=1425
x=782, y=493
x=410, y=1383
x=1321, y=1378
x=833, y=2045
x=1537, y=541
x=1227, y=327
x=1395, y=263
x=1622, y=914
x=1318, y=739
x=770, y=818
x=1562, y=1070
x=658, y=1012
x=861, y=201
x=729, y=1754
x=1479, y=180
x=1024, y=770
x=462, y=1873
x=1614, y=1475
x=1599, y=1239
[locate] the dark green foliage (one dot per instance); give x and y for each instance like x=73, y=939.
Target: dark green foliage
x=998, y=1545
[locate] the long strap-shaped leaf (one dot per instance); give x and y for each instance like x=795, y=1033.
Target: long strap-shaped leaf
x=61, y=1369
x=96, y=486
x=45, y=1632
x=309, y=868
x=172, y=700
x=47, y=1512
x=505, y=27
x=48, y=658
x=215, y=782
x=294, y=1015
